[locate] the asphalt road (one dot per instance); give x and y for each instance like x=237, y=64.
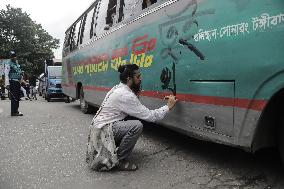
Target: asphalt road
x=46, y=149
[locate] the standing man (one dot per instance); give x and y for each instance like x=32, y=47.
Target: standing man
x=12, y=81
x=109, y=131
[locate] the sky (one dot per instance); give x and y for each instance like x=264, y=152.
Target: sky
x=55, y=16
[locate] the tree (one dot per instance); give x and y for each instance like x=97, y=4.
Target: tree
x=33, y=45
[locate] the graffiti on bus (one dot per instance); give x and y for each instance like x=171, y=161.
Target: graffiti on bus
x=257, y=24
x=176, y=34
x=140, y=54
x=141, y=47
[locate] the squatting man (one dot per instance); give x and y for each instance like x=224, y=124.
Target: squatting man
x=111, y=138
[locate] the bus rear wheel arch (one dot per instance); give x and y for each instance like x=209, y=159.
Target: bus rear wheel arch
x=270, y=129
x=47, y=97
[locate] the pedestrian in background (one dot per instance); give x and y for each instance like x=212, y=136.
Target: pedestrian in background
x=24, y=91
x=13, y=76
x=32, y=81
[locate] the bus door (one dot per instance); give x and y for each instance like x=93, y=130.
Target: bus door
x=206, y=95
x=206, y=104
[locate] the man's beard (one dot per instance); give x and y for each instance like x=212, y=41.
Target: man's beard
x=136, y=88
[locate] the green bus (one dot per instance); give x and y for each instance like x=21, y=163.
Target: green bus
x=224, y=60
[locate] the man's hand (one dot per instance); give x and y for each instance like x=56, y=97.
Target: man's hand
x=8, y=87
x=171, y=101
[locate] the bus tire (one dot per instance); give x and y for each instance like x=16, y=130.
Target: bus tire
x=281, y=140
x=66, y=99
x=85, y=107
x=47, y=98
x=43, y=94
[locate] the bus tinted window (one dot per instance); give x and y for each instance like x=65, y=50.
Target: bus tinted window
x=87, y=28
x=101, y=21
x=78, y=28
x=66, y=44
x=72, y=38
x=107, y=15
x=120, y=10
x=131, y=8
x=81, y=29
x=148, y=3
x=94, y=20
x=111, y=13
x=100, y=17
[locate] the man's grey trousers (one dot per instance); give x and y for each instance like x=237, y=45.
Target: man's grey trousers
x=126, y=134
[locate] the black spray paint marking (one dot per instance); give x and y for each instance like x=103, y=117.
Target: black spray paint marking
x=173, y=36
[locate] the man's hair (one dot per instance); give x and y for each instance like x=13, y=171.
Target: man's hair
x=127, y=71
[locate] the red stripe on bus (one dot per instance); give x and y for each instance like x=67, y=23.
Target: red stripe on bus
x=237, y=102
x=93, y=88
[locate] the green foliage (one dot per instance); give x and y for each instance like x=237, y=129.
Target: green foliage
x=18, y=32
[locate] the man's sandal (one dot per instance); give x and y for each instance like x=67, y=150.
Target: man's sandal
x=127, y=166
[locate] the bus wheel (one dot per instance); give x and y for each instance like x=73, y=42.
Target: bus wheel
x=85, y=107
x=66, y=99
x=47, y=98
x=281, y=140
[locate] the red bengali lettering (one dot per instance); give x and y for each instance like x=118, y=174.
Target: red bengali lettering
x=141, y=45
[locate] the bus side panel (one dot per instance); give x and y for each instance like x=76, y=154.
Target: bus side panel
x=218, y=71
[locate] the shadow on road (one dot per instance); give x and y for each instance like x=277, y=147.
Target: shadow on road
x=57, y=100
x=218, y=154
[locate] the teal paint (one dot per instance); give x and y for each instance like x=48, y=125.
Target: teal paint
x=249, y=58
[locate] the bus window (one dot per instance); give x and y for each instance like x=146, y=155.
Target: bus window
x=148, y=3
x=72, y=38
x=101, y=21
x=86, y=33
x=78, y=28
x=82, y=29
x=120, y=10
x=94, y=23
x=131, y=8
x=111, y=13
x=66, y=44
x=66, y=39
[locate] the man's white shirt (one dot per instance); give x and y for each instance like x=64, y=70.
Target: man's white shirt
x=119, y=102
